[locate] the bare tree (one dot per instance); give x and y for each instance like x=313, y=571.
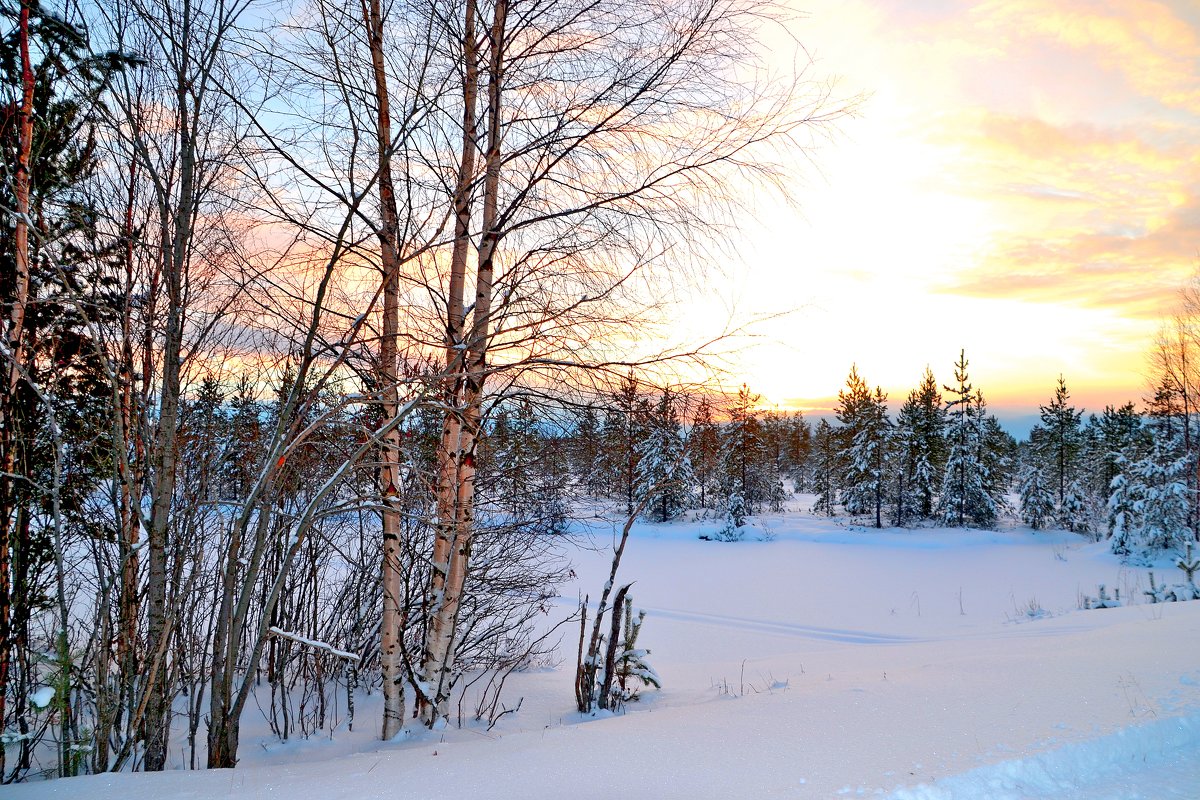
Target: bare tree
x=609, y=133
x=446, y=212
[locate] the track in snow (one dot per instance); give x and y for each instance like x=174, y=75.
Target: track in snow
x=783, y=628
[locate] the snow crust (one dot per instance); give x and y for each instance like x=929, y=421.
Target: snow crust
x=828, y=661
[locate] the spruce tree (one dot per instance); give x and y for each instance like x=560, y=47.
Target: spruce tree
x=1150, y=505
x=735, y=520
x=868, y=458
x=1122, y=511
x=921, y=445
x=1037, y=501
x=57, y=288
x=997, y=452
x=664, y=472
x=824, y=478
x=1111, y=440
x=854, y=412
x=246, y=424
x=1075, y=513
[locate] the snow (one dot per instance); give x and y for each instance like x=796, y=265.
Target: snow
x=315, y=644
x=1157, y=760
x=42, y=697
x=830, y=661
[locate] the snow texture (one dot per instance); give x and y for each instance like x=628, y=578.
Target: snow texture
x=827, y=662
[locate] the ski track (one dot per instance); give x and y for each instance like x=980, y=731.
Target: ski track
x=1013, y=629
x=792, y=629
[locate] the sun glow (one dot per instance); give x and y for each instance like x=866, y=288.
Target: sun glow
x=1020, y=184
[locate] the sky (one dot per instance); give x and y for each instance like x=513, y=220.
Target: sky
x=1022, y=182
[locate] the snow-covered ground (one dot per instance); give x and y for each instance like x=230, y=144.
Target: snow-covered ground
x=828, y=661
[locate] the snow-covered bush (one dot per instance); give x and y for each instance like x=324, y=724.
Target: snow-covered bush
x=1178, y=592
x=1101, y=600
x=735, y=520
x=633, y=671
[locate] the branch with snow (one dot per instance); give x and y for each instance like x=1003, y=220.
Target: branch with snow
x=328, y=648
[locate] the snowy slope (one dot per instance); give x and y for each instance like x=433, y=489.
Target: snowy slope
x=826, y=662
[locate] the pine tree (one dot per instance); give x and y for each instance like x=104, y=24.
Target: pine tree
x=586, y=450
x=1063, y=440
x=749, y=472
x=525, y=470
x=965, y=496
x=775, y=444
x=704, y=454
x=664, y=472
x=624, y=427
x=797, y=446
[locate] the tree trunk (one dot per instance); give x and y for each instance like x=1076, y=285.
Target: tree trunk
x=450, y=449
x=439, y=674
x=393, y=621
x=179, y=221
x=15, y=346
x=610, y=652
x=129, y=474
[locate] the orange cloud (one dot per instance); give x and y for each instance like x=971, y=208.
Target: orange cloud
x=1091, y=216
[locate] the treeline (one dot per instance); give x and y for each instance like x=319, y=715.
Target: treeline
x=660, y=452
x=1124, y=475
x=939, y=460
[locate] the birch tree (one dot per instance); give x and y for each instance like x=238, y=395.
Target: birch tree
x=606, y=131
x=185, y=163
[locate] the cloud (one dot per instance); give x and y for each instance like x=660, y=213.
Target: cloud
x=1088, y=215
x=1139, y=274
x=1149, y=44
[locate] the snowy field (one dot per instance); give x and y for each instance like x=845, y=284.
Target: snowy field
x=827, y=661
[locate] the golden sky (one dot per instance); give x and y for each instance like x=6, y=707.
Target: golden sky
x=1023, y=182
